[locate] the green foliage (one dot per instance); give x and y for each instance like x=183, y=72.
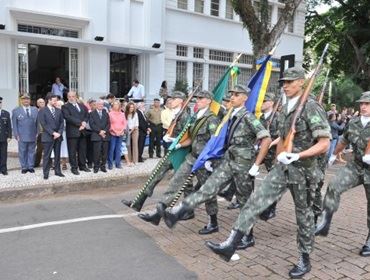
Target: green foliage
x=346, y=28
x=345, y=92
x=182, y=86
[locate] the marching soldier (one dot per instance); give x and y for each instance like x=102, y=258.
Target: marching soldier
x=356, y=171
x=5, y=137
x=295, y=171
x=200, y=132
x=177, y=101
x=270, y=122
x=239, y=164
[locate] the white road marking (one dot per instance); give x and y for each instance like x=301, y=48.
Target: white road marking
x=62, y=222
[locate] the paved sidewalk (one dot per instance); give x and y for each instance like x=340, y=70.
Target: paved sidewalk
x=334, y=257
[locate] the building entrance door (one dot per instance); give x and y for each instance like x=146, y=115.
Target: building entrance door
x=39, y=65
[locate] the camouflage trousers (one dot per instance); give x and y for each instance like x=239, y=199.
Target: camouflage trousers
x=158, y=176
x=272, y=189
x=178, y=180
x=317, y=202
x=226, y=172
x=347, y=178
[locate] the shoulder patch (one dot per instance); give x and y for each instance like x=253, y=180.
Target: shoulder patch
x=212, y=126
x=315, y=119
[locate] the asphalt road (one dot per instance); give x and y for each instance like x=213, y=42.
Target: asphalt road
x=105, y=248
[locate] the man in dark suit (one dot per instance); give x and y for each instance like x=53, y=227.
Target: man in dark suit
x=143, y=129
x=52, y=123
x=100, y=137
x=76, y=116
x=5, y=137
x=40, y=103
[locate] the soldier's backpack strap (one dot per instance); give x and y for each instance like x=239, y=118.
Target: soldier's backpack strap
x=198, y=125
x=234, y=126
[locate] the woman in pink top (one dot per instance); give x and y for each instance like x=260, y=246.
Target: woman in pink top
x=117, y=129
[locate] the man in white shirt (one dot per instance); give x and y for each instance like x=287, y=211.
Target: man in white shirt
x=136, y=93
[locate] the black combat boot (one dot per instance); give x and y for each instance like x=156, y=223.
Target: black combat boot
x=323, y=226
x=269, y=213
x=246, y=241
x=365, y=251
x=161, y=207
x=227, y=248
x=302, y=267
x=153, y=218
x=211, y=227
x=173, y=215
x=234, y=205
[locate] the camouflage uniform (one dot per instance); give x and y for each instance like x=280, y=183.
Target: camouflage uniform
x=297, y=176
x=238, y=159
x=317, y=202
x=356, y=172
x=199, y=140
x=167, y=164
x=273, y=129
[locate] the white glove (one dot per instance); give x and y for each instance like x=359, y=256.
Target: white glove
x=287, y=158
x=178, y=146
x=366, y=159
x=256, y=147
x=254, y=170
x=332, y=159
x=168, y=139
x=208, y=166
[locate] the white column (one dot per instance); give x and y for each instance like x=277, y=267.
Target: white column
x=189, y=73
x=207, y=7
x=8, y=73
x=222, y=9
x=191, y=5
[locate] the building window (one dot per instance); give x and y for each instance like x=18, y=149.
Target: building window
x=198, y=53
x=244, y=76
x=198, y=75
x=181, y=68
x=215, y=74
x=73, y=53
x=181, y=50
x=48, y=31
x=215, y=7
x=182, y=4
x=199, y=6
x=246, y=59
x=274, y=81
x=229, y=10
x=220, y=56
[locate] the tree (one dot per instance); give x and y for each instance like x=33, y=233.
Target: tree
x=256, y=20
x=346, y=27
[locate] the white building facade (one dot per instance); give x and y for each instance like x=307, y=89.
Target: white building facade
x=100, y=46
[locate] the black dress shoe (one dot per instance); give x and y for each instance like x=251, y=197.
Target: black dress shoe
x=31, y=170
x=103, y=169
x=323, y=226
x=85, y=169
x=150, y=156
x=75, y=171
x=24, y=171
x=302, y=267
x=89, y=165
x=59, y=174
x=246, y=242
x=234, y=205
x=4, y=172
x=141, y=160
x=153, y=218
x=46, y=176
x=126, y=202
x=227, y=248
x=365, y=251
x=96, y=170
x=208, y=229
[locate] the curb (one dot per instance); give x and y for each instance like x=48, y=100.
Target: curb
x=48, y=190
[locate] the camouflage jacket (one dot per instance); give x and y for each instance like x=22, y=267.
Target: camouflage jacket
x=273, y=129
x=201, y=131
x=181, y=122
x=358, y=136
x=242, y=137
x=311, y=125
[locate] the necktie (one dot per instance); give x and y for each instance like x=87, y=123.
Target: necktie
x=77, y=107
x=53, y=112
x=100, y=114
x=28, y=112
